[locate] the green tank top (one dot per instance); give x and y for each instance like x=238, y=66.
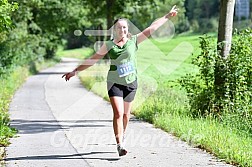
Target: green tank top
x=123, y=68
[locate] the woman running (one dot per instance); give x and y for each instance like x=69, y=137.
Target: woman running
x=122, y=75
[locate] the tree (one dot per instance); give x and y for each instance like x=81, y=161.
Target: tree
x=5, y=14
x=107, y=10
x=202, y=14
x=224, y=45
x=6, y=9
x=50, y=20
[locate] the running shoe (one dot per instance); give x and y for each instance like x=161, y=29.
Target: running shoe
x=121, y=151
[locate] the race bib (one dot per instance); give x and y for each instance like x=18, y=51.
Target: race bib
x=125, y=69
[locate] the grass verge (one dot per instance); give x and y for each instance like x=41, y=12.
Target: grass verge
x=75, y=53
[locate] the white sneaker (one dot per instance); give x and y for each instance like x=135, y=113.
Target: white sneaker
x=121, y=151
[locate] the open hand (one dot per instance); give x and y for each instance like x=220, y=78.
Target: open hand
x=68, y=75
x=173, y=12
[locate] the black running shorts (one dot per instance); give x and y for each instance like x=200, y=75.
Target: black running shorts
x=127, y=91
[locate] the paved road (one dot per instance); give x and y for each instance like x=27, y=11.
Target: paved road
x=62, y=124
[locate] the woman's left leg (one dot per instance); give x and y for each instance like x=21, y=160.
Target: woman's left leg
x=129, y=95
x=126, y=114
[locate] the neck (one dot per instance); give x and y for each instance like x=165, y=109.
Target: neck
x=120, y=39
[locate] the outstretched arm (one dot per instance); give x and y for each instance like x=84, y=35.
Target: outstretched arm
x=88, y=62
x=155, y=25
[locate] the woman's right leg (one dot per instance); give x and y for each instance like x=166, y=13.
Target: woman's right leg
x=118, y=111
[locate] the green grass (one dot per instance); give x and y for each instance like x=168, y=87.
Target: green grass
x=75, y=53
x=208, y=134
x=7, y=89
x=160, y=100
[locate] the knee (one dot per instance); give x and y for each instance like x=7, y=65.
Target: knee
x=118, y=115
x=126, y=116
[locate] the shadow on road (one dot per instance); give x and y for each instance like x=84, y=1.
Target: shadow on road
x=62, y=157
x=42, y=126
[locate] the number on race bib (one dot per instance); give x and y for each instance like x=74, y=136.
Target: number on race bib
x=125, y=69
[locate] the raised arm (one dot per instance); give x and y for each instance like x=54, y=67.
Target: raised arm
x=155, y=25
x=88, y=62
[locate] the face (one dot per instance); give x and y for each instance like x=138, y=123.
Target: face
x=121, y=29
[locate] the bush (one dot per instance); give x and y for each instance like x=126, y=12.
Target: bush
x=200, y=88
x=238, y=102
x=20, y=48
x=204, y=95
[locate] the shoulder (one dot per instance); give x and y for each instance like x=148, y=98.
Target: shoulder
x=133, y=38
x=109, y=43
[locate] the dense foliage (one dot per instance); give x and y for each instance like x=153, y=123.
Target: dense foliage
x=202, y=14
x=39, y=27
x=6, y=10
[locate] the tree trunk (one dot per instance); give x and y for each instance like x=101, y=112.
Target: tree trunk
x=110, y=7
x=224, y=46
x=226, y=26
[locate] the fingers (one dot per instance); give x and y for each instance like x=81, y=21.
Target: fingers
x=174, y=7
x=66, y=76
x=174, y=11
